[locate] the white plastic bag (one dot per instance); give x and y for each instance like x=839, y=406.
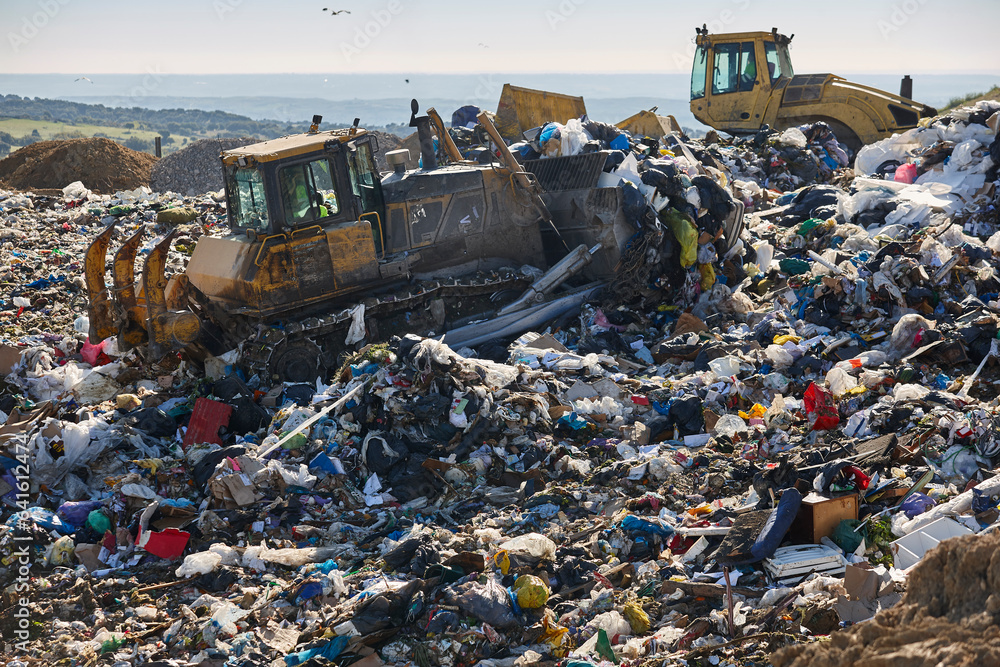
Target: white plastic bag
x=531, y=544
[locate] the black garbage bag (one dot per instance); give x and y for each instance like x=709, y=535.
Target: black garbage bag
x=206, y=464
x=400, y=555
x=809, y=200
x=382, y=451
x=602, y=131
x=247, y=416
x=714, y=198
x=633, y=203
x=154, y=422
x=686, y=414
x=410, y=480
x=425, y=554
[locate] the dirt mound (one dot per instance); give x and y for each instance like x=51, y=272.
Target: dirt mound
x=195, y=169
x=103, y=165
x=950, y=615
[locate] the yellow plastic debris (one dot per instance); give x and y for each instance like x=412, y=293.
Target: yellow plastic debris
x=707, y=276
x=502, y=561
x=636, y=617
x=531, y=592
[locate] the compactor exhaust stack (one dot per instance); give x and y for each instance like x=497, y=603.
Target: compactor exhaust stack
x=428, y=156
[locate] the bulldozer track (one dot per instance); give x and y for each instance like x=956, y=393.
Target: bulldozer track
x=258, y=351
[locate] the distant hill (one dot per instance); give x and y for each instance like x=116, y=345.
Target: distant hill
x=25, y=120
x=972, y=98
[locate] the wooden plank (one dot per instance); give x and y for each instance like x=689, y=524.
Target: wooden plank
x=707, y=590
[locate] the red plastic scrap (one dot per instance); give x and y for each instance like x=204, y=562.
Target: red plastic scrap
x=168, y=544
x=821, y=409
x=207, y=418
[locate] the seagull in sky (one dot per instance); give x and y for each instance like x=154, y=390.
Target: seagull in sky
x=334, y=13
x=83, y=78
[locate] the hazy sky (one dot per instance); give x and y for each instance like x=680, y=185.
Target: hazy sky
x=250, y=36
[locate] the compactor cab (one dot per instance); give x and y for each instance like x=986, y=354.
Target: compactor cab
x=742, y=81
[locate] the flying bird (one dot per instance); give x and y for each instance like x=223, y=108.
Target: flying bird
x=83, y=78
x=485, y=46
x=334, y=13
x=406, y=80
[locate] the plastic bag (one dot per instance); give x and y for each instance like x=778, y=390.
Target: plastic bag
x=686, y=234
x=531, y=544
x=840, y=382
x=906, y=173
x=793, y=136
x=725, y=366
x=199, y=563
x=489, y=602
x=906, y=333
x=961, y=156
x=573, y=137
x=916, y=504
x=821, y=409
x=779, y=356
x=531, y=592
x=729, y=425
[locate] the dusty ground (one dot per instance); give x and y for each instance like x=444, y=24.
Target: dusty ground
x=949, y=616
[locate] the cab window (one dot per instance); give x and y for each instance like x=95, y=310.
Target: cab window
x=748, y=66
x=773, y=63
x=248, y=208
x=698, y=72
x=727, y=59
x=308, y=193
x=364, y=176
x=735, y=68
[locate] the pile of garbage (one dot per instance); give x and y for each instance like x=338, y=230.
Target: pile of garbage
x=751, y=444
x=104, y=165
x=196, y=168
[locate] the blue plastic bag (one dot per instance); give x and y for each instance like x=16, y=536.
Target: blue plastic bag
x=632, y=522
x=916, y=505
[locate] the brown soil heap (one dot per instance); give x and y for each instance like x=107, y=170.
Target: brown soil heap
x=102, y=164
x=950, y=615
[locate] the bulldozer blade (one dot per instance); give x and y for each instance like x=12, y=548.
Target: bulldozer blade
x=102, y=319
x=167, y=330
x=131, y=329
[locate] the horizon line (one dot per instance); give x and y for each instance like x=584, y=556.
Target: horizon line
x=518, y=73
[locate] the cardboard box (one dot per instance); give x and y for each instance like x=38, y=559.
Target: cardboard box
x=819, y=515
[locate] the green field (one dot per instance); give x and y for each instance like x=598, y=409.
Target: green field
x=19, y=127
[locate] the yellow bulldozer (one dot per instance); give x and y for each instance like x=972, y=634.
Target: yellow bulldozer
x=742, y=81
x=325, y=252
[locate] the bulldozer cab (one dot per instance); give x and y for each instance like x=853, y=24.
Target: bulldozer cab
x=734, y=75
x=316, y=180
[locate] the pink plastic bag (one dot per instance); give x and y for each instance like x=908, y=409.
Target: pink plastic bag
x=94, y=354
x=906, y=173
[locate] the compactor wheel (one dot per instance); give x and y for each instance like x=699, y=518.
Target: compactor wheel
x=297, y=361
